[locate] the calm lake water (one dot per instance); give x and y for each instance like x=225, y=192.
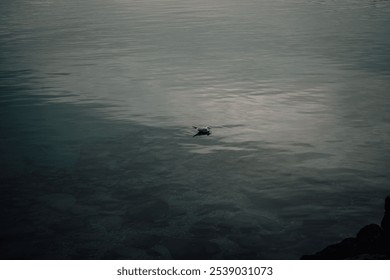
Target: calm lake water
x=98, y=99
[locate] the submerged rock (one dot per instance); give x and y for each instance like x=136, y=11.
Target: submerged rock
x=371, y=242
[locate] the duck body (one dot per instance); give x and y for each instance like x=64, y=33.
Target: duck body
x=206, y=130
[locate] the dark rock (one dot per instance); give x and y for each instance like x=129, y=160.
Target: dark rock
x=371, y=242
x=386, y=218
x=368, y=257
x=343, y=250
x=387, y=204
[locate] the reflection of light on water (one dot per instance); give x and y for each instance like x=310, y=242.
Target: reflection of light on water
x=208, y=149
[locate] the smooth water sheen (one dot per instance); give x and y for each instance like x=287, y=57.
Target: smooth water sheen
x=98, y=99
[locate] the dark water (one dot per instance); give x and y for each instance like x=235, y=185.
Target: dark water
x=98, y=99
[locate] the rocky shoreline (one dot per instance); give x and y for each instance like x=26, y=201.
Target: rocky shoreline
x=372, y=242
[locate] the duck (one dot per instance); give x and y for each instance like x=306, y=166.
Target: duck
x=206, y=130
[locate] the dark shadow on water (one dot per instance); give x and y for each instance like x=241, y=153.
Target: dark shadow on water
x=136, y=195
x=80, y=187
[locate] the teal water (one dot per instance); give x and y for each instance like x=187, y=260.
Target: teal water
x=98, y=99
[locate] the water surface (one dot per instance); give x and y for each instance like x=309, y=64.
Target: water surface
x=98, y=100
